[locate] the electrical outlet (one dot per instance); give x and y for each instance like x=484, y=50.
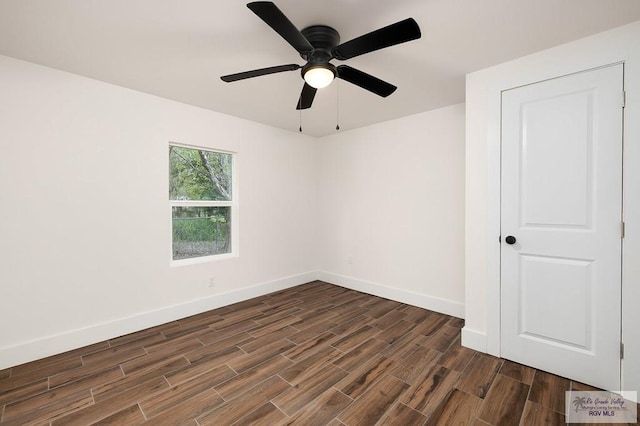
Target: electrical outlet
x=350, y=260
x=212, y=282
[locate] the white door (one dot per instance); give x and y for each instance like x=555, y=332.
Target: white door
x=562, y=204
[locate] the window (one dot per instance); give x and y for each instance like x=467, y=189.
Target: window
x=202, y=202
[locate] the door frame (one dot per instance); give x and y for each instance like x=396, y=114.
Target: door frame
x=482, y=190
x=494, y=192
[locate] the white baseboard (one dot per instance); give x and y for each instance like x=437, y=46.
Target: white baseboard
x=73, y=339
x=420, y=300
x=474, y=339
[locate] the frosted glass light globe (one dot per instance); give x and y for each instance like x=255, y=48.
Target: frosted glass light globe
x=318, y=77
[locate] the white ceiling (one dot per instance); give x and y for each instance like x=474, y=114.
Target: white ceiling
x=178, y=49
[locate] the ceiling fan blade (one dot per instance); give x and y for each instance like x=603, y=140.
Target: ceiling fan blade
x=366, y=81
x=257, y=73
x=391, y=35
x=269, y=13
x=306, y=97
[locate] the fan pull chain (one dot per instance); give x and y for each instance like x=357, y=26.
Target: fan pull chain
x=300, y=109
x=337, y=104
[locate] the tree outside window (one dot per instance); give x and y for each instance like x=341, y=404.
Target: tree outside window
x=201, y=198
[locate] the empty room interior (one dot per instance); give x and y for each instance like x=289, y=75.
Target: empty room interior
x=195, y=230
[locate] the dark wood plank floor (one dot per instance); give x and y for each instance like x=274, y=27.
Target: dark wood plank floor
x=316, y=354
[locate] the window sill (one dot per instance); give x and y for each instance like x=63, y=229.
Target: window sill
x=203, y=259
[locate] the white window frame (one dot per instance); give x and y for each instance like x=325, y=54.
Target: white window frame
x=233, y=204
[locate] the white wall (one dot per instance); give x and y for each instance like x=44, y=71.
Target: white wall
x=392, y=200
x=85, y=223
x=482, y=216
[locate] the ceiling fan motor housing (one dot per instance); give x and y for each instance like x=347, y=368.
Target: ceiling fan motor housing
x=323, y=39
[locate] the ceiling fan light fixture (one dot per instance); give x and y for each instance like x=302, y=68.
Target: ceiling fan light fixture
x=319, y=76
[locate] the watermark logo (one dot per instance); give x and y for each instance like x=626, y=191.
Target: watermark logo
x=601, y=407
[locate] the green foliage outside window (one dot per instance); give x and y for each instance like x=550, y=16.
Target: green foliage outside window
x=200, y=176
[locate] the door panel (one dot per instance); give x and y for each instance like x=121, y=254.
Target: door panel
x=562, y=201
x=559, y=198
x=569, y=280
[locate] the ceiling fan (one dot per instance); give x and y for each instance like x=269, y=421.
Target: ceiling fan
x=319, y=44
